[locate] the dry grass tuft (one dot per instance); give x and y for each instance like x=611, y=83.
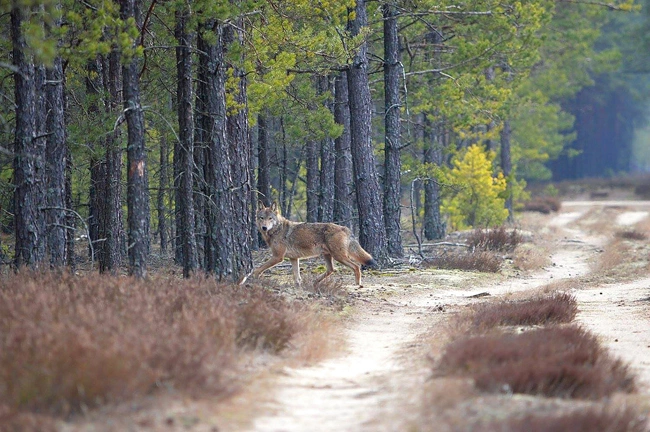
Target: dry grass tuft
x=482, y=261
x=615, y=254
x=69, y=343
x=331, y=289
x=14, y=421
x=530, y=257
x=543, y=204
x=631, y=235
x=566, y=362
x=550, y=309
x=587, y=420
x=497, y=240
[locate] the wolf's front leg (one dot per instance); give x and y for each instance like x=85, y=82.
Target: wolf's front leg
x=295, y=266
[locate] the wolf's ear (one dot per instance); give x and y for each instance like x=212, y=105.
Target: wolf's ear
x=274, y=207
x=260, y=205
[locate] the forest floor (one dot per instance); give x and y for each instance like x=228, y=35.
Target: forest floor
x=378, y=377
x=399, y=327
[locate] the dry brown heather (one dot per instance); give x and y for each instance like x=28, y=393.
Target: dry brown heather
x=483, y=261
x=566, y=362
x=547, y=309
x=631, y=234
x=69, y=343
x=589, y=420
x=543, y=204
x=498, y=240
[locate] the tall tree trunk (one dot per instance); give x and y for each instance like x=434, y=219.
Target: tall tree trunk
x=29, y=156
x=55, y=170
x=284, y=172
x=506, y=166
x=240, y=151
x=137, y=193
x=434, y=227
x=162, y=192
x=327, y=162
x=71, y=218
x=372, y=232
x=219, y=210
x=111, y=227
x=185, y=152
x=263, y=162
x=343, y=161
x=97, y=167
x=392, y=104
x=313, y=180
x=201, y=187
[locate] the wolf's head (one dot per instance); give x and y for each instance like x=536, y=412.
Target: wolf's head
x=267, y=217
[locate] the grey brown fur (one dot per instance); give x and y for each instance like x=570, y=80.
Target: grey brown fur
x=296, y=240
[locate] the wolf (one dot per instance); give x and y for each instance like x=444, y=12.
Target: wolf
x=295, y=240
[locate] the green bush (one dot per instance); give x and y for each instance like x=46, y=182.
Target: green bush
x=475, y=197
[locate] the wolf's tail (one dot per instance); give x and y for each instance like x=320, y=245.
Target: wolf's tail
x=360, y=255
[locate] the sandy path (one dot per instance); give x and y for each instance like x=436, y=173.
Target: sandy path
x=363, y=389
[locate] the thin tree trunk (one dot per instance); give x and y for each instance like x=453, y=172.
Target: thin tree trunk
x=71, y=218
x=392, y=103
x=313, y=180
x=29, y=156
x=55, y=169
x=343, y=161
x=372, y=232
x=506, y=166
x=111, y=227
x=137, y=193
x=284, y=173
x=219, y=210
x=240, y=150
x=434, y=227
x=263, y=162
x=327, y=163
x=186, y=233
x=161, y=196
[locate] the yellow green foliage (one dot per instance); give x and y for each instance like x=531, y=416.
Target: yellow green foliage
x=474, y=196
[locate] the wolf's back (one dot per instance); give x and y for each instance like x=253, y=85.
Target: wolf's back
x=360, y=254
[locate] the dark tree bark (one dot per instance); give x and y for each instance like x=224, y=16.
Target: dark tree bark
x=327, y=163
x=185, y=232
x=29, y=197
x=263, y=162
x=434, y=226
x=313, y=180
x=372, y=232
x=97, y=166
x=219, y=211
x=392, y=104
x=163, y=179
x=284, y=172
x=111, y=226
x=55, y=170
x=71, y=218
x=506, y=166
x=343, y=161
x=201, y=189
x=137, y=193
x=240, y=150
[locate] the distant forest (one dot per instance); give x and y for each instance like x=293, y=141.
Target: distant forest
x=136, y=122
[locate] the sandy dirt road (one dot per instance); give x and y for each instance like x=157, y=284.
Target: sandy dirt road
x=371, y=385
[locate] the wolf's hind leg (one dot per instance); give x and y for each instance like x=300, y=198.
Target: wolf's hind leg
x=346, y=261
x=329, y=263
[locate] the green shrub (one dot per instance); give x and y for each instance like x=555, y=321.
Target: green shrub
x=475, y=196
